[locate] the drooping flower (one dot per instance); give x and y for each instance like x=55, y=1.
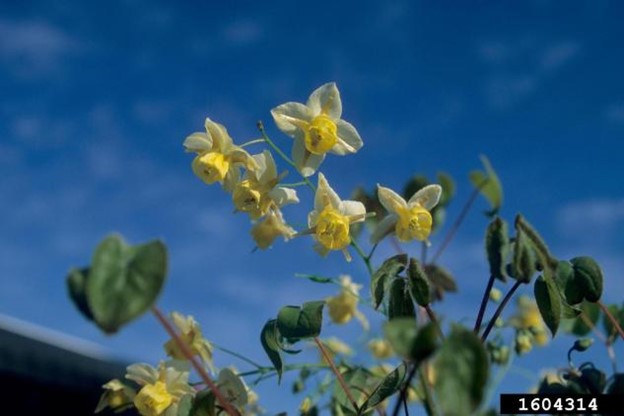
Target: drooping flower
x=218, y=158
x=191, y=335
x=330, y=220
x=343, y=307
x=380, y=348
x=161, y=389
x=317, y=128
x=272, y=226
x=117, y=396
x=259, y=191
x=530, y=327
x=409, y=220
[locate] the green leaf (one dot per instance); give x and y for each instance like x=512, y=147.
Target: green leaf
x=547, y=260
x=357, y=381
x=269, y=338
x=570, y=287
x=389, y=269
x=589, y=276
x=204, y=404
x=124, y=281
x=592, y=312
x=497, y=247
x=618, y=314
x=419, y=283
x=401, y=303
x=295, y=323
x=76, y=284
x=616, y=385
x=523, y=260
x=185, y=405
x=549, y=302
x=488, y=185
x=440, y=279
x=316, y=279
x=386, y=388
x=409, y=341
x=462, y=372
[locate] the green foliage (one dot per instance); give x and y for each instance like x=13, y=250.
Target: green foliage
x=409, y=341
x=386, y=388
x=523, y=260
x=401, y=303
x=549, y=302
x=204, y=404
x=269, y=338
x=295, y=323
x=121, y=284
x=441, y=280
x=185, y=405
x=489, y=185
x=462, y=370
x=388, y=270
x=547, y=260
x=419, y=283
x=497, y=247
x=578, y=326
x=588, y=275
x=618, y=314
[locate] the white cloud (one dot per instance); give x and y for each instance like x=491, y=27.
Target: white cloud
x=615, y=113
x=32, y=49
x=519, y=67
x=591, y=217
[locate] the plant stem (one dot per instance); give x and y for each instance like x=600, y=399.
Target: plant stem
x=429, y=402
x=499, y=310
x=237, y=355
x=611, y=318
x=364, y=257
x=277, y=150
x=434, y=319
x=486, y=295
x=337, y=373
x=370, y=254
x=403, y=394
x=255, y=141
x=423, y=253
x=456, y=225
x=198, y=367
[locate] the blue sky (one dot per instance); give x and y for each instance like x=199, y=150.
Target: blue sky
x=98, y=97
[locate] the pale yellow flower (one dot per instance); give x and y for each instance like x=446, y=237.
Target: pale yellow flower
x=272, y=226
x=380, y=348
x=317, y=128
x=161, y=389
x=305, y=406
x=191, y=335
x=528, y=318
x=259, y=191
x=330, y=220
x=117, y=396
x=343, y=307
x=218, y=158
x=409, y=220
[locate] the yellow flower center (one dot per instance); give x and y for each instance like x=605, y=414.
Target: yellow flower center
x=153, y=399
x=211, y=167
x=321, y=135
x=332, y=229
x=341, y=308
x=413, y=223
x=249, y=197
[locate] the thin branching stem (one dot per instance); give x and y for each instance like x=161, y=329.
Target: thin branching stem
x=337, y=373
x=611, y=318
x=499, y=310
x=227, y=406
x=484, y=301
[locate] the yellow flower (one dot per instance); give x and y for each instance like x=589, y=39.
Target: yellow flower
x=343, y=307
x=191, y=335
x=335, y=346
x=305, y=406
x=409, y=220
x=271, y=227
x=258, y=192
x=116, y=396
x=524, y=343
x=380, y=348
x=317, y=128
x=161, y=389
x=218, y=159
x=331, y=218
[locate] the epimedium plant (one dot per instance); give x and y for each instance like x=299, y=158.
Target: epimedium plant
x=124, y=281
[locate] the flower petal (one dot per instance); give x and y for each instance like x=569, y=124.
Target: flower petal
x=291, y=117
x=282, y=196
x=231, y=179
x=325, y=195
x=349, y=140
x=326, y=100
x=428, y=197
x=221, y=140
x=198, y=142
x=353, y=208
x=384, y=228
x=390, y=199
x=306, y=162
x=267, y=169
x=142, y=373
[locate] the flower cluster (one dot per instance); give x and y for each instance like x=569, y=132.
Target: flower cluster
x=317, y=128
x=530, y=328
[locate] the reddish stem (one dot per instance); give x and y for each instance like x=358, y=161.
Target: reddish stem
x=341, y=380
